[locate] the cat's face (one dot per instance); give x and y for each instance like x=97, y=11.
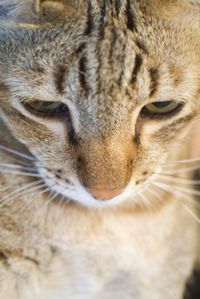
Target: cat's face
x=100, y=95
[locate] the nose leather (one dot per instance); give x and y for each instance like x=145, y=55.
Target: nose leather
x=104, y=194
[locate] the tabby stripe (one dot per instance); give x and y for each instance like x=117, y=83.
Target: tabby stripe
x=59, y=78
x=112, y=44
x=141, y=46
x=174, y=126
x=137, y=67
x=102, y=25
x=154, y=76
x=82, y=74
x=102, y=22
x=130, y=21
x=80, y=48
x=72, y=136
x=90, y=22
x=4, y=259
x=117, y=7
x=120, y=81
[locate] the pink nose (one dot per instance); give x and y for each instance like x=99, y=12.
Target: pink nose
x=104, y=194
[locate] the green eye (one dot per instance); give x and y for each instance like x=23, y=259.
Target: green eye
x=44, y=107
x=160, y=108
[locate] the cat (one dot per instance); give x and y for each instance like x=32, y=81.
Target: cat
x=98, y=100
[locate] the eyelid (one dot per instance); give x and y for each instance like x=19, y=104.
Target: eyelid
x=180, y=101
x=30, y=100
x=43, y=108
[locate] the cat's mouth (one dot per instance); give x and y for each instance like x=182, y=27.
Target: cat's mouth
x=71, y=189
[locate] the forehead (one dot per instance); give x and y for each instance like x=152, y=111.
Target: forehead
x=106, y=55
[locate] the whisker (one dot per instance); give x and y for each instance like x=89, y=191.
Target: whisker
x=187, y=161
x=5, y=189
x=177, y=179
x=191, y=213
x=27, y=174
x=17, y=153
x=62, y=200
x=153, y=192
x=185, y=190
x=180, y=170
x=30, y=200
x=50, y=198
x=184, y=205
x=22, y=193
x=145, y=200
x=184, y=197
x=22, y=164
x=21, y=189
x=18, y=166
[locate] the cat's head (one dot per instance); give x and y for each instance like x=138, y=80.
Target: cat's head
x=99, y=91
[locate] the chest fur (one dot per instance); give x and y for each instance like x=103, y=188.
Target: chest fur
x=119, y=257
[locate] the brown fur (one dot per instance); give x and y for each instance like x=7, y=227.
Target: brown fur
x=105, y=61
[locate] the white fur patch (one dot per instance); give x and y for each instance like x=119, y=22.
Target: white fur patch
x=78, y=193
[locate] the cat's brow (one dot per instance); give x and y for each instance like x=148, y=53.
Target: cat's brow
x=154, y=77
x=90, y=22
x=130, y=18
x=59, y=76
x=137, y=67
x=83, y=75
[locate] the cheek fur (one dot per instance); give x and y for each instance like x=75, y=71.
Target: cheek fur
x=28, y=129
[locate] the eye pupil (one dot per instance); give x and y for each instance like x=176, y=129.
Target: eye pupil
x=161, y=104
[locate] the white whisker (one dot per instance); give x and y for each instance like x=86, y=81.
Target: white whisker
x=182, y=196
x=32, y=198
x=21, y=194
x=193, y=160
x=50, y=198
x=176, y=179
x=5, y=189
x=18, y=166
x=21, y=189
x=145, y=200
x=27, y=174
x=191, y=213
x=17, y=153
x=185, y=190
x=153, y=192
x=180, y=170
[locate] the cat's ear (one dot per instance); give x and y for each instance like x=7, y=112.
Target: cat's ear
x=34, y=10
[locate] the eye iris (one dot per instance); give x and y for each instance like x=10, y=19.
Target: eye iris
x=164, y=107
x=44, y=107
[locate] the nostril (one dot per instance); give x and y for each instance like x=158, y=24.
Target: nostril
x=85, y=184
x=130, y=163
x=104, y=194
x=80, y=162
x=145, y=173
x=59, y=173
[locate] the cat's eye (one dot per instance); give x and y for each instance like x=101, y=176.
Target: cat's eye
x=162, y=108
x=44, y=107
